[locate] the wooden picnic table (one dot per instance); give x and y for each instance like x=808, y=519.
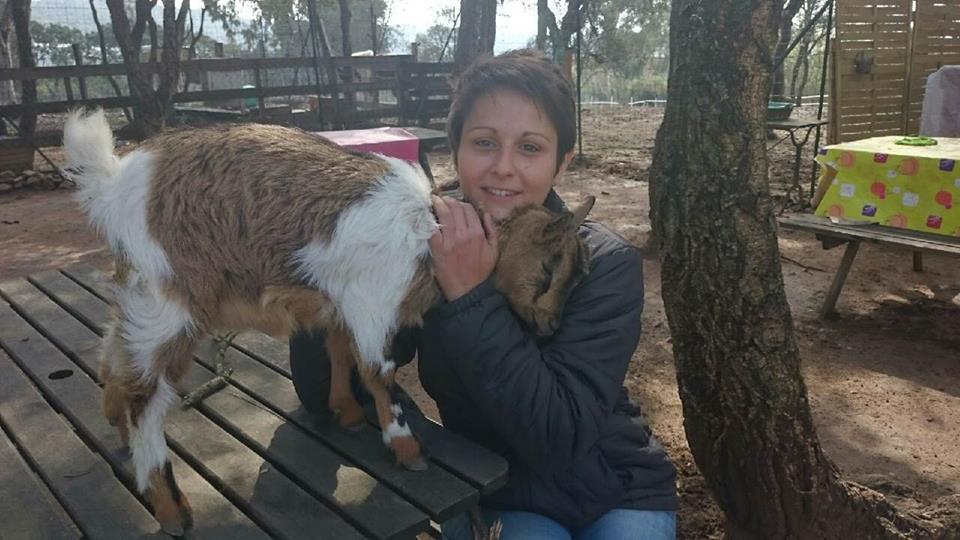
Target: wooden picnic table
x=853, y=234
x=251, y=460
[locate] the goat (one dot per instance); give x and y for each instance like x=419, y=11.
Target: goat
x=271, y=228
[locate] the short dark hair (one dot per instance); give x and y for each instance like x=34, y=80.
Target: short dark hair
x=527, y=71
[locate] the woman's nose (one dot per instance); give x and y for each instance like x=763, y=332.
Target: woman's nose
x=505, y=163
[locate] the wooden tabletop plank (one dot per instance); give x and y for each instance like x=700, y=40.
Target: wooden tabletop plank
x=20, y=488
x=875, y=233
x=381, y=512
x=262, y=347
x=78, y=396
x=486, y=470
x=475, y=464
x=437, y=491
x=92, y=278
x=370, y=504
x=100, y=505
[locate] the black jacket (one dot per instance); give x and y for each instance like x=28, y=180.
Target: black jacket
x=555, y=407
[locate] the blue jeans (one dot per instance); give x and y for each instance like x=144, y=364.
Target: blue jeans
x=619, y=524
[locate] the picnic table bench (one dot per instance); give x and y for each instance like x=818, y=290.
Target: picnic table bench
x=251, y=460
x=837, y=234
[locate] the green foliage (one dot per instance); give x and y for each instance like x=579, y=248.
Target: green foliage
x=283, y=25
x=438, y=38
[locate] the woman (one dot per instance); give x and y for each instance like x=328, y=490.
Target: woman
x=583, y=463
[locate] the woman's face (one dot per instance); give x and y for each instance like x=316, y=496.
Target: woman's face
x=508, y=153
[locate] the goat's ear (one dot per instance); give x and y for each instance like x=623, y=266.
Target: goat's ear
x=580, y=212
x=560, y=223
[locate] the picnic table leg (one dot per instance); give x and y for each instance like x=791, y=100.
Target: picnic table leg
x=830, y=302
x=918, y=261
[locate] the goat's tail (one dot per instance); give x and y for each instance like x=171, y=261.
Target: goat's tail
x=88, y=143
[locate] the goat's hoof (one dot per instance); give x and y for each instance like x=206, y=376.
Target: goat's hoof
x=170, y=506
x=417, y=465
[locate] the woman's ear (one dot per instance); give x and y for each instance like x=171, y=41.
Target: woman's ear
x=563, y=165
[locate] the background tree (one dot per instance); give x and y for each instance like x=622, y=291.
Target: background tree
x=8, y=51
x=745, y=408
x=153, y=103
x=20, y=13
x=625, y=49
x=785, y=36
x=809, y=52
x=477, y=33
x=438, y=42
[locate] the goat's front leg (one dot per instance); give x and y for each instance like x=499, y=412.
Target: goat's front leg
x=396, y=431
x=342, y=359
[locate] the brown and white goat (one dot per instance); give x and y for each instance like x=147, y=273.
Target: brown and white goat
x=275, y=229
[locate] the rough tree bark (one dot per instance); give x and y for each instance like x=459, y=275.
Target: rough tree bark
x=478, y=24
x=746, y=414
x=20, y=11
x=543, y=13
x=345, y=16
x=8, y=51
x=153, y=104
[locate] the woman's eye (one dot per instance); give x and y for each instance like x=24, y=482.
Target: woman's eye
x=530, y=148
x=483, y=143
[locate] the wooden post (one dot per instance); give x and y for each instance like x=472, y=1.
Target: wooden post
x=256, y=77
x=918, y=261
x=78, y=59
x=830, y=302
x=403, y=81
x=68, y=88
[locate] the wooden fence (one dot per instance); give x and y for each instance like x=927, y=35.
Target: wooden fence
x=883, y=54
x=420, y=90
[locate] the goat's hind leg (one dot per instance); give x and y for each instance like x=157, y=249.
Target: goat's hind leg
x=115, y=402
x=340, y=350
x=151, y=363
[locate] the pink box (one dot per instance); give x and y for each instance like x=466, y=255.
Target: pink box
x=389, y=141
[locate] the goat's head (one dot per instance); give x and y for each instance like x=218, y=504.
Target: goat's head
x=541, y=259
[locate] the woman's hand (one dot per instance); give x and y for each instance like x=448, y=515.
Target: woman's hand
x=464, y=250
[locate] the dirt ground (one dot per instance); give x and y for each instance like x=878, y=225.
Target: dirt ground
x=883, y=378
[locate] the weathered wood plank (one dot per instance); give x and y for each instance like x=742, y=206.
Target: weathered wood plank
x=482, y=468
x=78, y=396
x=20, y=488
x=380, y=512
x=100, y=505
x=899, y=238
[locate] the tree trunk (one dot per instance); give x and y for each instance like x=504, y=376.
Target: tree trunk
x=28, y=89
x=746, y=414
x=543, y=13
x=7, y=52
x=346, y=73
x=345, y=16
x=468, y=37
x=563, y=46
x=785, y=37
x=153, y=104
x=488, y=26
x=105, y=59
